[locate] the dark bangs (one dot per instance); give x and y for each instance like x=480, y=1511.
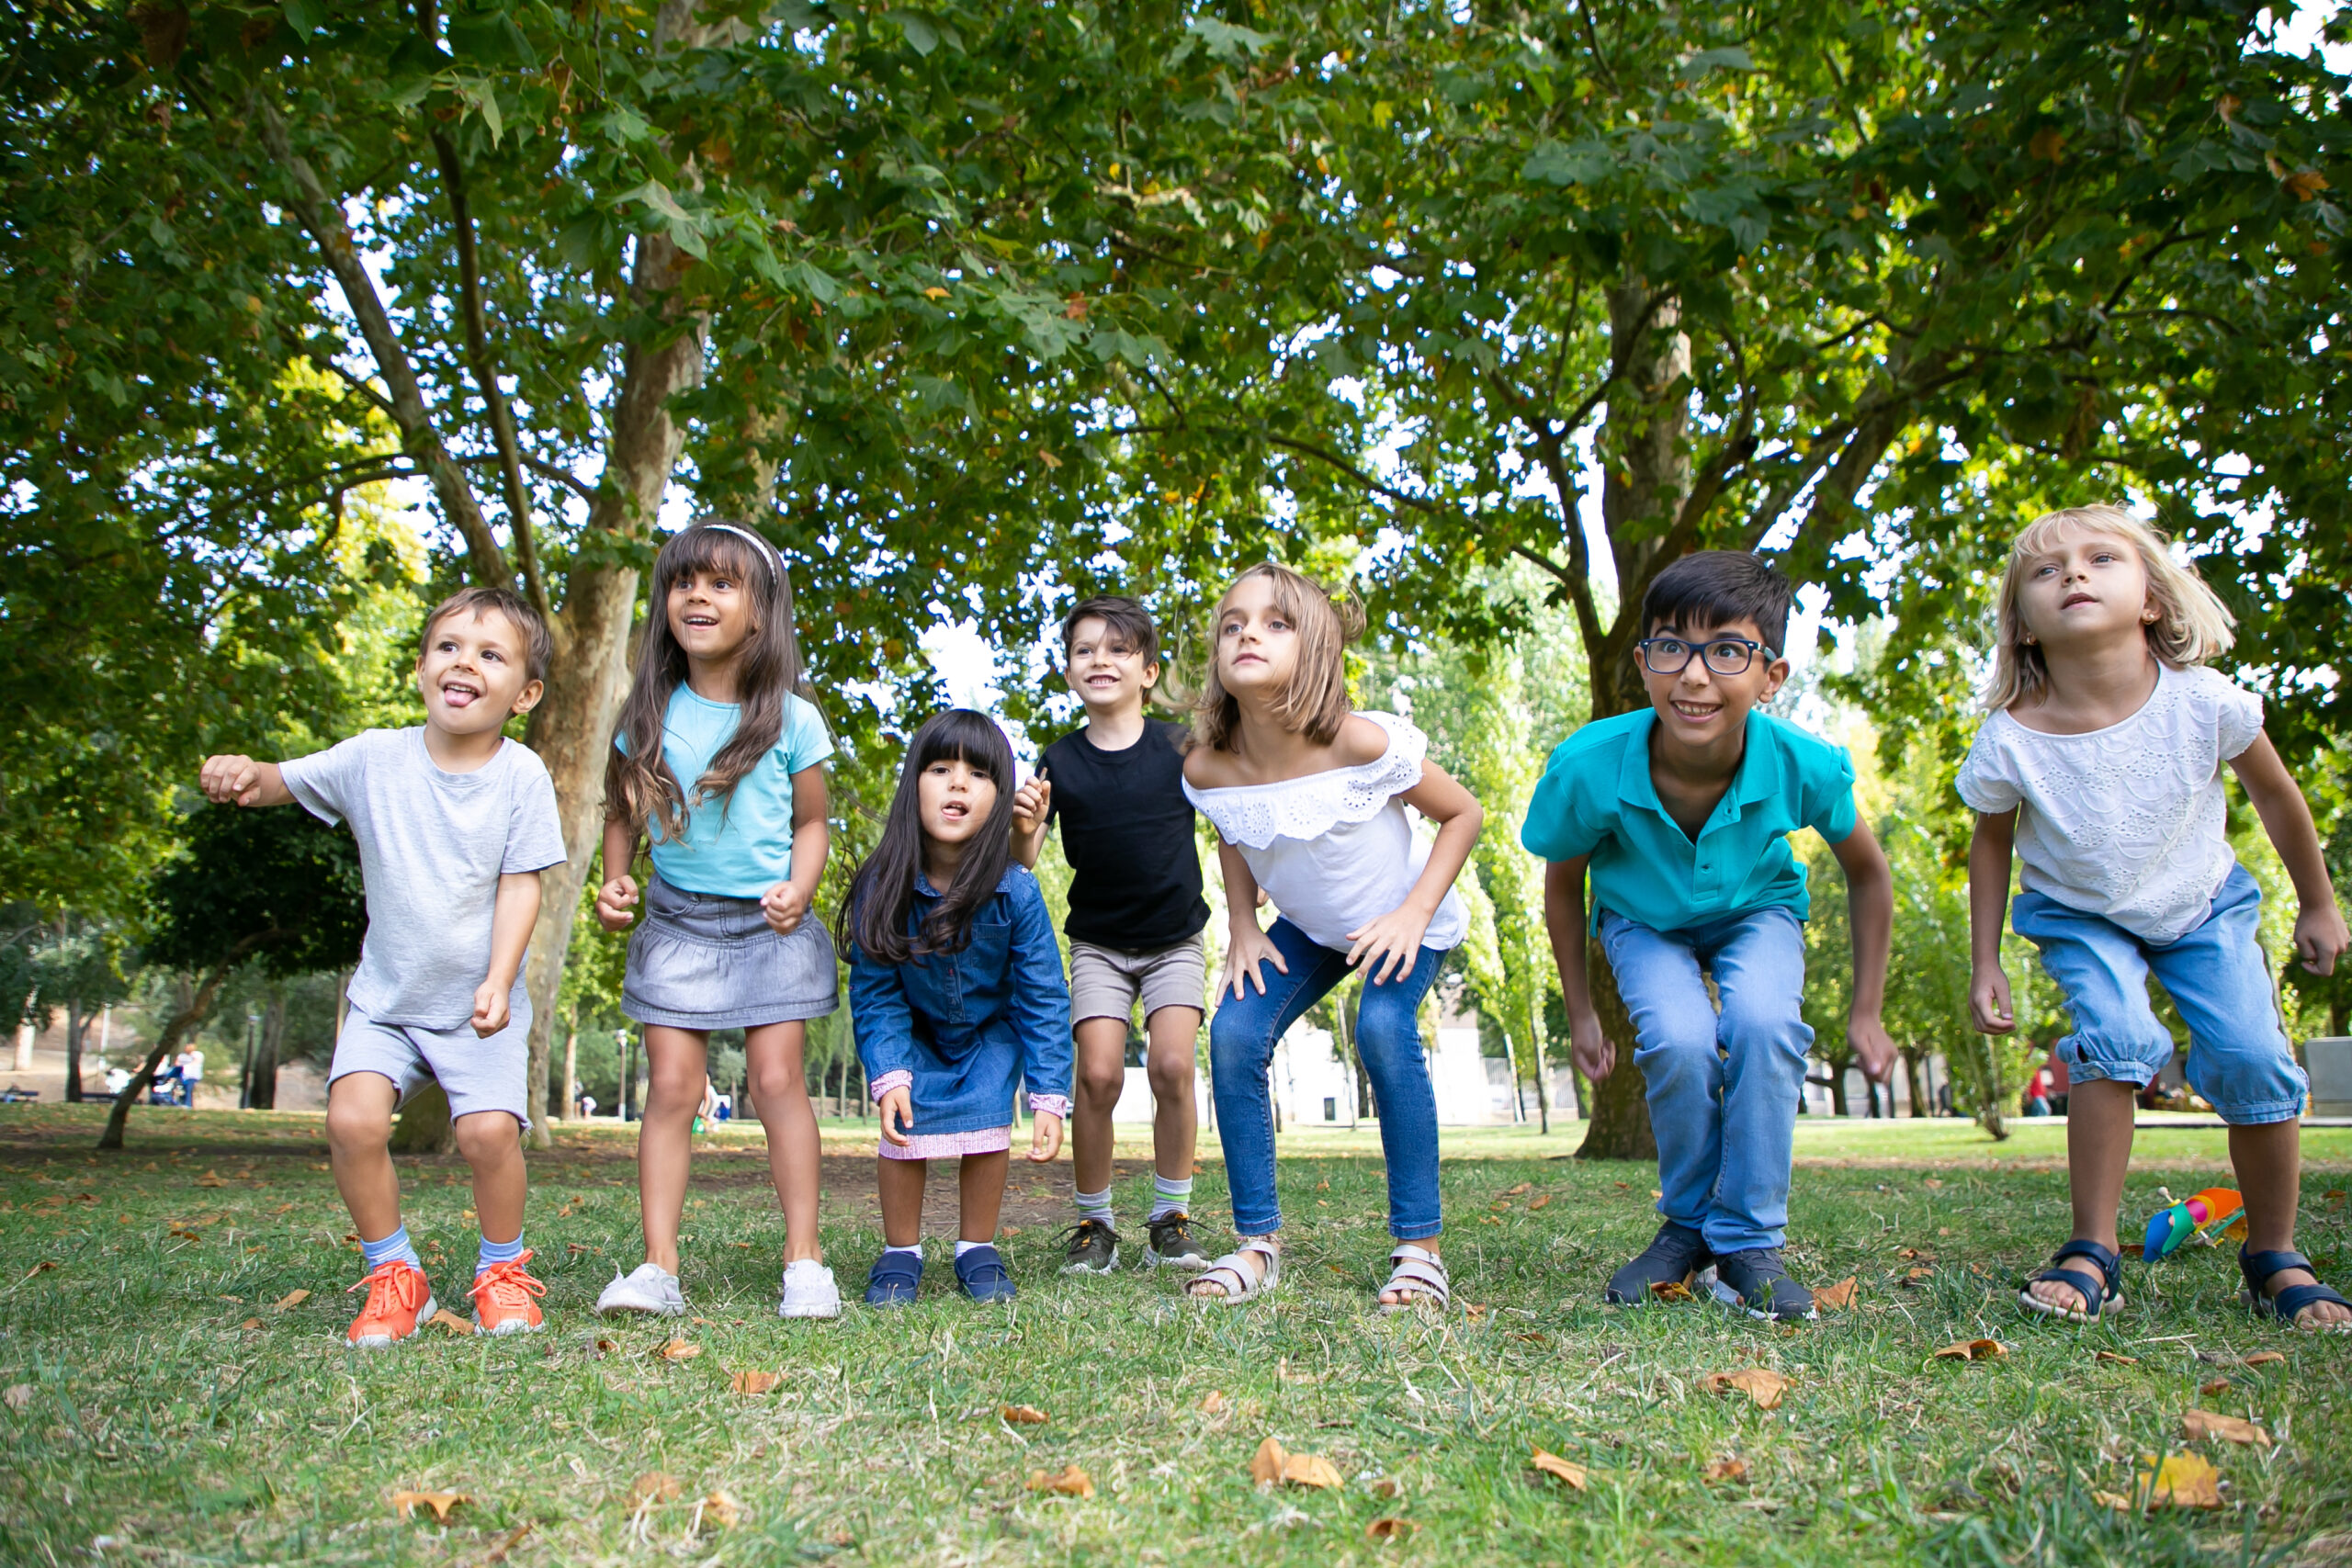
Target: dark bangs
x=881, y=901
x=960, y=735
x=1709, y=589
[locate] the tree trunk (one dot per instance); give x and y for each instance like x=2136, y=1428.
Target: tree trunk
x=24, y=1063
x=571, y=1063
x=1837, y=1089
x=195, y=1005
x=262, y=1093
x=1620, y=1125
x=423, y=1126
x=78, y=1024
x=1542, y=1068
x=1913, y=1079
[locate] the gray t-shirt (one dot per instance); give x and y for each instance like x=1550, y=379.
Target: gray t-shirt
x=432, y=846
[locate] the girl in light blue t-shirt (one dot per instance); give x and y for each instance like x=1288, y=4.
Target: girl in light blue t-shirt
x=719, y=763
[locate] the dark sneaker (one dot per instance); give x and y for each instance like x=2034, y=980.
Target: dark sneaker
x=1758, y=1283
x=983, y=1275
x=1093, y=1248
x=895, y=1279
x=1673, y=1256
x=1172, y=1246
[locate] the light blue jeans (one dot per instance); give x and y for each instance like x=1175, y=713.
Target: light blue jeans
x=1388, y=1036
x=2216, y=974
x=1724, y=1086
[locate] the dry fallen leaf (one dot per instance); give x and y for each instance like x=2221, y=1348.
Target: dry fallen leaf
x=1384, y=1486
x=1388, y=1530
x=1915, y=1255
x=1071, y=1482
x=1514, y=1191
x=720, y=1510
x=1932, y=1182
x=208, y=1179
x=283, y=1209
x=2218, y=1385
x=449, y=1320
x=1837, y=1297
x=406, y=1503
x=681, y=1350
x=2182, y=1481
x=1021, y=1415
x=1216, y=1403
x=756, y=1383
x=653, y=1486
x=1914, y=1277
x=2266, y=1359
x=291, y=1299
x=1474, y=1310
x=1672, y=1290
x=43, y=1267
x=605, y=1346
x=1972, y=1350
x=1531, y=1337
x=2112, y=1500
x=1727, y=1470
x=1553, y=1464
x=2118, y=1357
x=503, y=1545
x=19, y=1394
x=1763, y=1387
x=2333, y=1198
x=2198, y=1424
x=1272, y=1463
x=249, y=1323
x=1541, y=1201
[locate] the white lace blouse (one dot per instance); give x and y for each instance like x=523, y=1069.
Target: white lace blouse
x=1335, y=849
x=2124, y=821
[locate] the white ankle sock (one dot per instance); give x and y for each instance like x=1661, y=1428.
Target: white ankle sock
x=1169, y=1196
x=1095, y=1206
x=963, y=1246
x=914, y=1252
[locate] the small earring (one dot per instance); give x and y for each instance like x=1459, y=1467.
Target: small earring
x=2147, y=617
x=2030, y=639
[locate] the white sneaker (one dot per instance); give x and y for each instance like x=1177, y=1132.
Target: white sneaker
x=809, y=1290
x=651, y=1289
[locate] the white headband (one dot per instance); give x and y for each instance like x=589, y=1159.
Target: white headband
x=766, y=551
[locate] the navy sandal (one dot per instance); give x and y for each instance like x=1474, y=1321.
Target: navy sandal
x=2106, y=1287
x=2287, y=1306
x=983, y=1275
x=894, y=1281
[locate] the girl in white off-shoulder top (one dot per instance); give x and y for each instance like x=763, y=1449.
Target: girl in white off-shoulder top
x=1308, y=801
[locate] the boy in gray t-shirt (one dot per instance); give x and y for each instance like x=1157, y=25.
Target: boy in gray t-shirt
x=455, y=823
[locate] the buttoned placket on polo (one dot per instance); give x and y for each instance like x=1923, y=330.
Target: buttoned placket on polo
x=1752, y=782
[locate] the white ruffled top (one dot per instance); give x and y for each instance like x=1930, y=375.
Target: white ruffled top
x=2125, y=821
x=1336, y=850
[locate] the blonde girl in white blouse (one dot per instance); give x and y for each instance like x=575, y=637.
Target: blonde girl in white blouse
x=2100, y=767
x=1308, y=801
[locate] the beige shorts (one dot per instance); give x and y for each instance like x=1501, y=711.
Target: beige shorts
x=1107, y=983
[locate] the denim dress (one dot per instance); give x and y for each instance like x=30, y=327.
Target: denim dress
x=961, y=1029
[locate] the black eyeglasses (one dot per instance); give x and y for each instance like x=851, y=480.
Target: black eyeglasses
x=1725, y=655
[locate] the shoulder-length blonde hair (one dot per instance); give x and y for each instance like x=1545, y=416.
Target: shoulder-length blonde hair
x=2192, y=625
x=1314, y=700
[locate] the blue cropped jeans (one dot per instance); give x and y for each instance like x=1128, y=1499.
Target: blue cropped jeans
x=1388, y=1036
x=1724, y=1086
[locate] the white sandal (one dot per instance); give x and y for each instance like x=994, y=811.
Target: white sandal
x=1419, y=1277
x=1236, y=1278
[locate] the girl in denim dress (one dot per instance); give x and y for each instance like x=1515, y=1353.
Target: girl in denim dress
x=957, y=997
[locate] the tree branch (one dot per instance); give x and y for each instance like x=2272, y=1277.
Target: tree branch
x=485, y=369
x=321, y=217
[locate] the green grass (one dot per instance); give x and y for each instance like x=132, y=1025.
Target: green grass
x=151, y=1416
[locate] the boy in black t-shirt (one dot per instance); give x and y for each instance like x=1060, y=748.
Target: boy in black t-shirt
x=1135, y=916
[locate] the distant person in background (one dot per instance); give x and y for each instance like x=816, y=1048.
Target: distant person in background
x=2037, y=1094
x=118, y=1079
x=587, y=1106
x=191, y=1075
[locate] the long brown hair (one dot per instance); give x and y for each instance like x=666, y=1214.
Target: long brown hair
x=882, y=892
x=1315, y=701
x=638, y=785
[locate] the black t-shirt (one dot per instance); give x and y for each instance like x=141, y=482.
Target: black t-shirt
x=1128, y=832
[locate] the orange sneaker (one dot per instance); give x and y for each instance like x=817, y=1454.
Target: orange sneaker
x=503, y=1303
x=400, y=1303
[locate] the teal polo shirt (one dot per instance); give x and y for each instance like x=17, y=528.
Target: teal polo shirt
x=1596, y=798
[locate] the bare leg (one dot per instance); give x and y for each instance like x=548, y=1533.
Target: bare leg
x=677, y=1070
x=1100, y=1072
x=780, y=1087
x=900, y=1183
x=360, y=1137
x=491, y=1142
x=2269, y=1164
x=1175, y=1119
x=979, y=1182
x=2099, y=1113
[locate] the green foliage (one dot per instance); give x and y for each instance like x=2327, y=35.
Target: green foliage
x=278, y=888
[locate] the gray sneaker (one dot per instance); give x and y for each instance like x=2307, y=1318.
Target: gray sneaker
x=1172, y=1246
x=1093, y=1248
x=1673, y=1256
x=1758, y=1283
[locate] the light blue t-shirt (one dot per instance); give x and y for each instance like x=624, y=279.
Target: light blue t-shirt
x=1596, y=798
x=738, y=846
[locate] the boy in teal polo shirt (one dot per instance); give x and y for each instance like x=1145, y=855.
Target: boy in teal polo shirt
x=1681, y=813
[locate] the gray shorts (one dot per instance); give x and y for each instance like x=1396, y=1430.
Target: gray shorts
x=475, y=1073
x=1107, y=983
x=702, y=961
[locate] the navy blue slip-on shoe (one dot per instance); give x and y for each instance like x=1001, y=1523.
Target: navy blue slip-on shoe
x=983, y=1275
x=894, y=1279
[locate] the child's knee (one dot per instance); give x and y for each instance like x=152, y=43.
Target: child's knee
x=354, y=1127
x=487, y=1136
x=1171, y=1071
x=671, y=1082
x=1773, y=1022
x=1101, y=1077
x=776, y=1086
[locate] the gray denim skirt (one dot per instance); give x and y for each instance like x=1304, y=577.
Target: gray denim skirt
x=701, y=961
